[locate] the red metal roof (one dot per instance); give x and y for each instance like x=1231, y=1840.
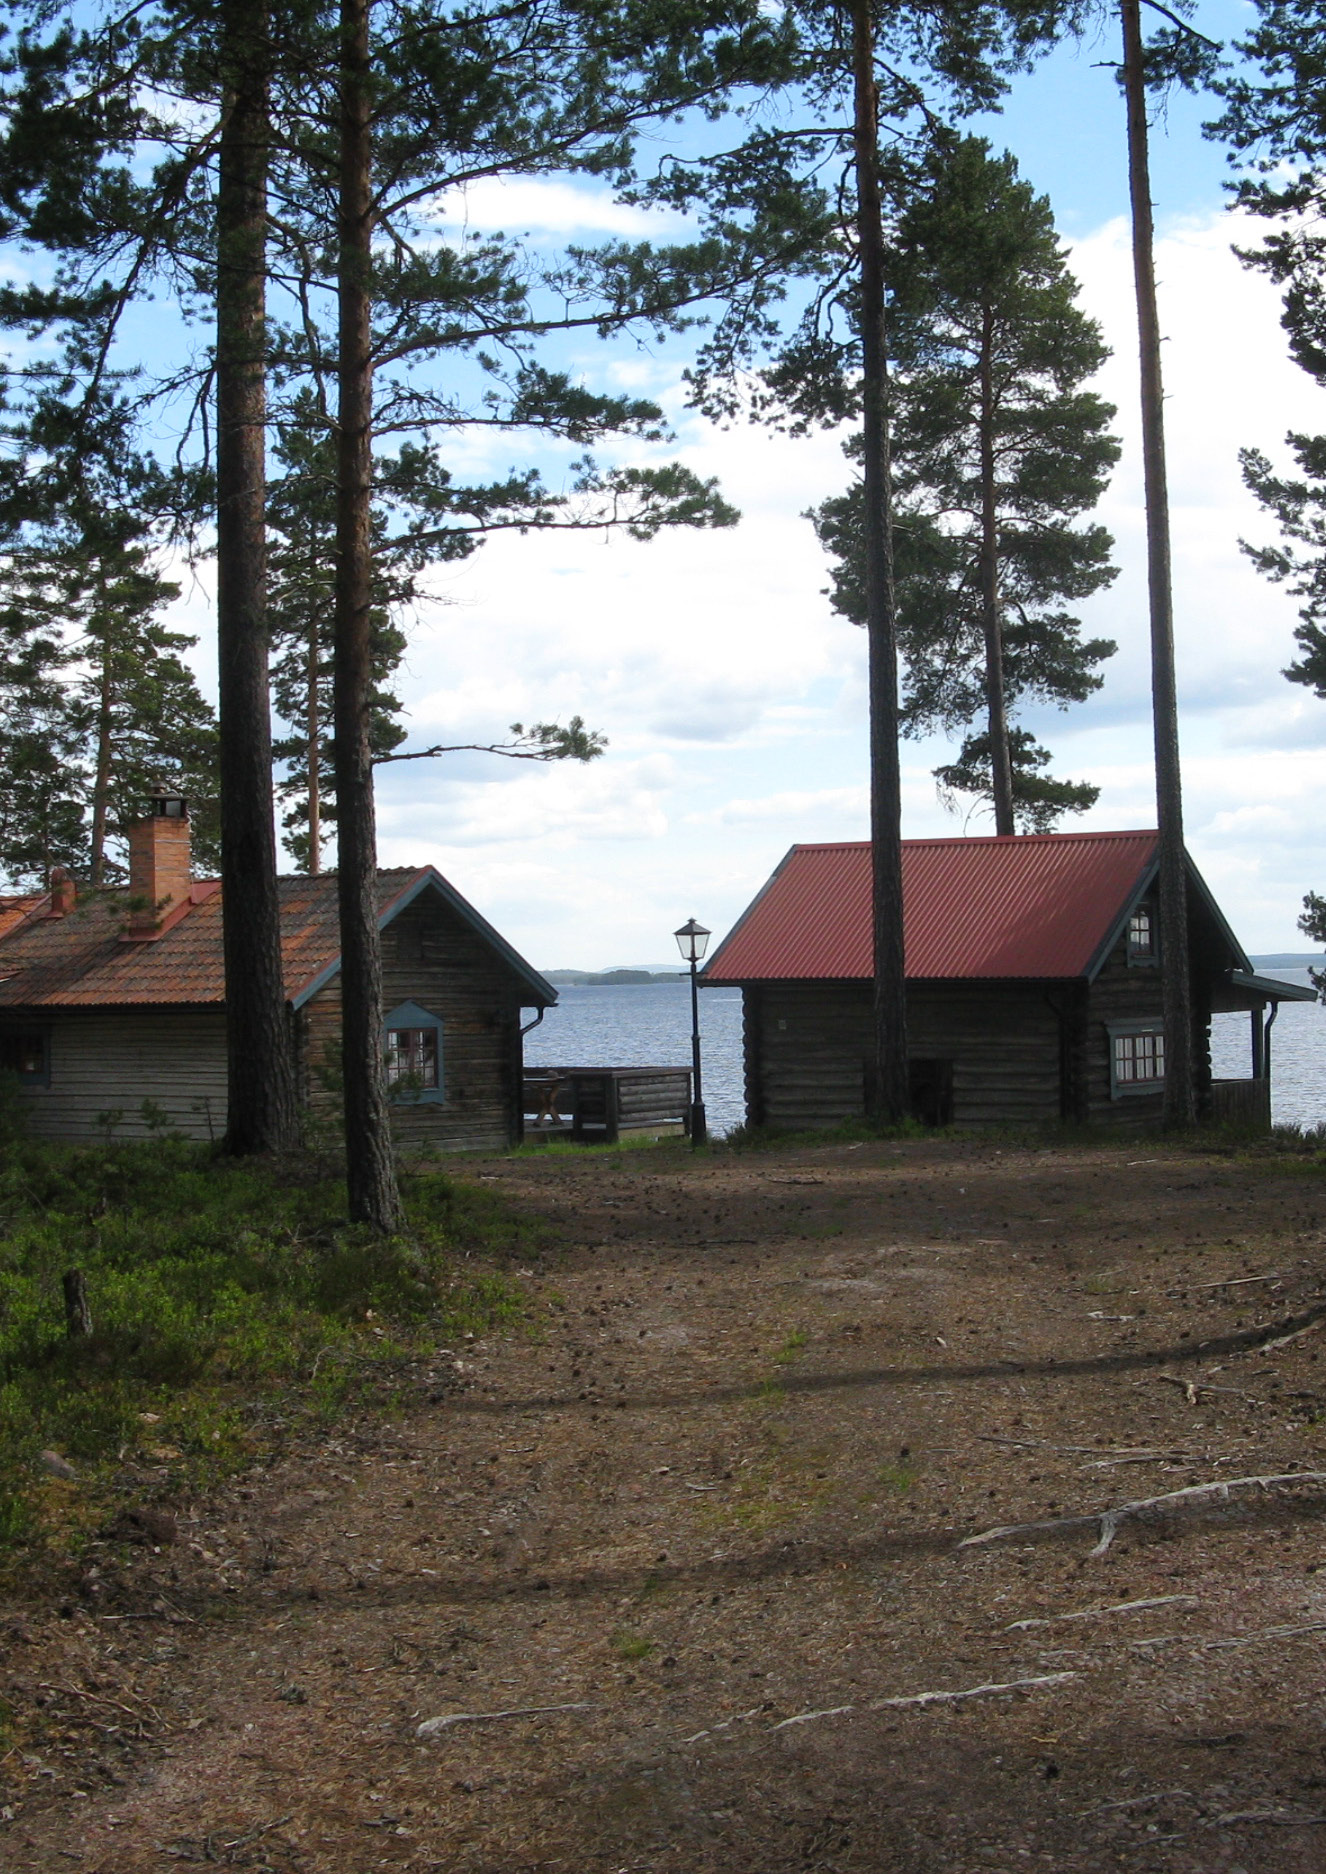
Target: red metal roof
x=1037, y=905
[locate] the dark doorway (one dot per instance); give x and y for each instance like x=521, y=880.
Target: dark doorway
x=932, y=1092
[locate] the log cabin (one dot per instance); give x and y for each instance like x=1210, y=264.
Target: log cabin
x=1034, y=985
x=112, y=1003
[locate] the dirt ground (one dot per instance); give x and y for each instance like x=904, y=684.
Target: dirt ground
x=676, y=1570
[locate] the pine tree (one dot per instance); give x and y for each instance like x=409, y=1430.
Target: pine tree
x=92, y=665
x=142, y=152
x=997, y=450
x=301, y=521
x=43, y=807
x=869, y=81
x=1275, y=125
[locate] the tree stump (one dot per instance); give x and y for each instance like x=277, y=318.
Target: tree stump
x=77, y=1313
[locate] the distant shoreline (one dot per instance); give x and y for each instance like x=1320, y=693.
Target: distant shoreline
x=634, y=978
x=609, y=979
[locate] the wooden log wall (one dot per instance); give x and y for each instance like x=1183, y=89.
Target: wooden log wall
x=808, y=1043
x=1242, y=1103
x=111, y=1060
x=432, y=957
x=1004, y=1042
x=1010, y=1044
x=1021, y=1054
x=652, y=1096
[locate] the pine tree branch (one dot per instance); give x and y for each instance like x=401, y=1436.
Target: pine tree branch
x=1183, y=25
x=542, y=741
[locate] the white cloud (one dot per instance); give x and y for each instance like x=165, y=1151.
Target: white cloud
x=795, y=810
x=547, y=207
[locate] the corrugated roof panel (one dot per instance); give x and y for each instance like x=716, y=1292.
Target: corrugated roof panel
x=1037, y=905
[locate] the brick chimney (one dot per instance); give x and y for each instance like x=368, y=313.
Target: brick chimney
x=63, y=893
x=158, y=863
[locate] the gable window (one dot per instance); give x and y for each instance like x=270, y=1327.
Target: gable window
x=26, y=1053
x=1137, y=1058
x=1141, y=936
x=412, y=1045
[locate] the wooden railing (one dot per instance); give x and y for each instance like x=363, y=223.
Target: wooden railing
x=596, y=1105
x=1245, y=1103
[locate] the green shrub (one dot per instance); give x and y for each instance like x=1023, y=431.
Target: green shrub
x=216, y=1289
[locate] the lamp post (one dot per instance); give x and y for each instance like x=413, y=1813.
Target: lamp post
x=691, y=941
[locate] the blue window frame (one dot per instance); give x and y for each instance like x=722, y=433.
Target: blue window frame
x=412, y=1044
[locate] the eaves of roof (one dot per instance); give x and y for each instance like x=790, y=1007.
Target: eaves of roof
x=542, y=993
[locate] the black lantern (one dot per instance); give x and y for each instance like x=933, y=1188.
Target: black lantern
x=691, y=941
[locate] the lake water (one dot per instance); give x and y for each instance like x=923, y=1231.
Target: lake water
x=649, y=1025
x=1298, y=1056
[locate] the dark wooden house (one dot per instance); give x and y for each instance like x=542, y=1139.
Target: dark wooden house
x=113, y=1017
x=1033, y=984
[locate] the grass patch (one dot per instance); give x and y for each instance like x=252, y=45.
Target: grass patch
x=632, y=1645
x=792, y=1348
x=227, y=1299
x=562, y=1147
x=849, y=1132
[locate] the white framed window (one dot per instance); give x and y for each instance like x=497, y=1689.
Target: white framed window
x=1137, y=1057
x=412, y=1049
x=1142, y=935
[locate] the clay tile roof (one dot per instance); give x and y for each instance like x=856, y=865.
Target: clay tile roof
x=79, y=961
x=1038, y=905
x=14, y=908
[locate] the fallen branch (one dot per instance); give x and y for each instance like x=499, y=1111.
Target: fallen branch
x=725, y=1725
x=1144, y=1457
x=1043, y=1444
x=1233, y=1281
x=1095, y=1613
x=1269, y=1346
x=242, y=1841
x=929, y=1698
x=431, y=1726
x=1109, y=1520
x=1265, y=1633
x=1191, y=1388
x=1102, y=1457
x=1285, y=1817
x=94, y=1698
x=1135, y=1802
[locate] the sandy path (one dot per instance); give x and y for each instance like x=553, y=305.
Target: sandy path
x=723, y=1486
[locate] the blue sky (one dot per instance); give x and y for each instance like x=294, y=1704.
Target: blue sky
x=733, y=697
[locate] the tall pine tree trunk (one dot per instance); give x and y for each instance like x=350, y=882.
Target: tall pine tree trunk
x=889, y=1095
x=370, y=1166
x=1173, y=894
x=101, y=778
x=262, y=1114
x=313, y=742
x=1001, y=766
